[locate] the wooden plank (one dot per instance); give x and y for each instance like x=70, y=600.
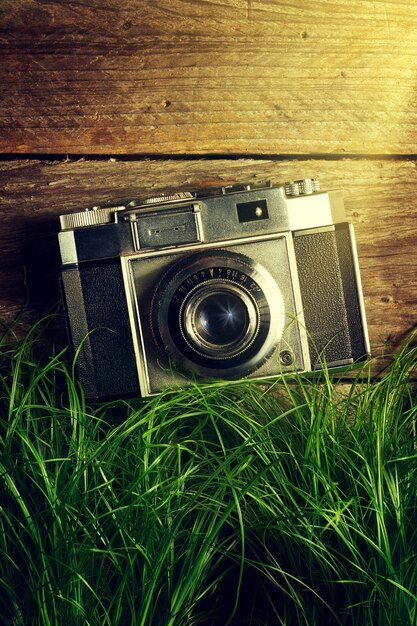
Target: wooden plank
x=379, y=198
x=208, y=77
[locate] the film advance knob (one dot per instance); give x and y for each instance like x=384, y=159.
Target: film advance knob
x=173, y=197
x=304, y=187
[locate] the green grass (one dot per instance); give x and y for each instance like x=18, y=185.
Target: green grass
x=293, y=503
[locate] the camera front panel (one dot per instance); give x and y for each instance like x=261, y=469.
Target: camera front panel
x=215, y=312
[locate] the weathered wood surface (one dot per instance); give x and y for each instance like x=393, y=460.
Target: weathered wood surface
x=379, y=197
x=208, y=77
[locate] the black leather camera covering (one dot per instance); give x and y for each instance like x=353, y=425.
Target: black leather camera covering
x=99, y=323
x=330, y=295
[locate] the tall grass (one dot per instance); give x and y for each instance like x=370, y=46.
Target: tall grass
x=293, y=503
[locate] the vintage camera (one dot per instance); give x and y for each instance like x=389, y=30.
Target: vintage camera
x=231, y=282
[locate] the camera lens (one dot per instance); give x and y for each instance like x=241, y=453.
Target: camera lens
x=218, y=313
x=220, y=320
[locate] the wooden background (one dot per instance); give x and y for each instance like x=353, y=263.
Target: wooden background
x=104, y=100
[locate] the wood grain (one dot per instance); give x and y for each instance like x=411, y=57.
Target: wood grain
x=379, y=197
x=208, y=77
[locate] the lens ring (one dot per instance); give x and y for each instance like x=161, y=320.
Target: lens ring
x=241, y=274
x=219, y=320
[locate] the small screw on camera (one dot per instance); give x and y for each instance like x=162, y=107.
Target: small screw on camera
x=286, y=357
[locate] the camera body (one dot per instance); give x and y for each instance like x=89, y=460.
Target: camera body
x=232, y=282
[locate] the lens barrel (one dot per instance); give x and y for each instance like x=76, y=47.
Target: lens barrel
x=219, y=319
x=218, y=313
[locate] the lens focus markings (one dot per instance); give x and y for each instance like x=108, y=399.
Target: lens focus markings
x=222, y=273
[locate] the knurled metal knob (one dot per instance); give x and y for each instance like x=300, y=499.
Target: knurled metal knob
x=90, y=217
x=173, y=197
x=304, y=187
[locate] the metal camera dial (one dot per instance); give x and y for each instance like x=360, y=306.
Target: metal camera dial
x=303, y=187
